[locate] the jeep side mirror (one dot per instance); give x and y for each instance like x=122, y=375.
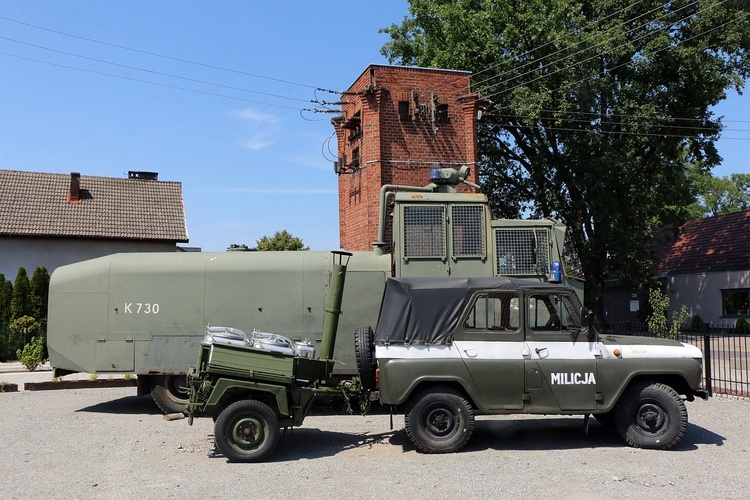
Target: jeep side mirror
x=586, y=327
x=585, y=321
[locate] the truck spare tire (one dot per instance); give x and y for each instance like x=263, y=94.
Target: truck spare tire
x=364, y=350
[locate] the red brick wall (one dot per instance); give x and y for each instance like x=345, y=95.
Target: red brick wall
x=394, y=149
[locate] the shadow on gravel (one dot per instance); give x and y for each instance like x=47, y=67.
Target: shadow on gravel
x=540, y=434
x=129, y=405
x=306, y=443
x=565, y=434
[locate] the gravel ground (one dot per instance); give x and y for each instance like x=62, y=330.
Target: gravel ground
x=107, y=443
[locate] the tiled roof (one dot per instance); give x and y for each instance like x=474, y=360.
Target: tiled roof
x=713, y=243
x=36, y=204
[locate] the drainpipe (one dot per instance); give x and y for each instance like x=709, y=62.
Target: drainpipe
x=389, y=190
x=333, y=303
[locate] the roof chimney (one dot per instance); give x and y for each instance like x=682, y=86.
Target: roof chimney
x=74, y=193
x=145, y=176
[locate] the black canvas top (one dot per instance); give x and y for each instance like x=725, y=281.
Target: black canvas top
x=425, y=311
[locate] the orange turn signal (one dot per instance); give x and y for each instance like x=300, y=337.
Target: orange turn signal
x=617, y=353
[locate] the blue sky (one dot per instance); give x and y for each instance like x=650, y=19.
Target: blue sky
x=247, y=169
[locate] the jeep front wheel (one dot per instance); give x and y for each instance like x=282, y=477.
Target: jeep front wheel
x=439, y=421
x=651, y=415
x=247, y=431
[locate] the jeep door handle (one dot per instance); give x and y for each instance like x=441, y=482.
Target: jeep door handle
x=540, y=349
x=472, y=353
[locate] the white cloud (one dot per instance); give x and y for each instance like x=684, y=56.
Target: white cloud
x=258, y=142
x=256, y=116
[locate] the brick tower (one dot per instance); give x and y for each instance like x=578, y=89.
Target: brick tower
x=396, y=125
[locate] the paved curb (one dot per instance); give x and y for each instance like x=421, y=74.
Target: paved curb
x=78, y=384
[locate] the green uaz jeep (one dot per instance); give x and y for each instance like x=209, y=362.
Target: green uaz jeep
x=447, y=349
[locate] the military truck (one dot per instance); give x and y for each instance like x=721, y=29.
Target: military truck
x=147, y=313
x=447, y=349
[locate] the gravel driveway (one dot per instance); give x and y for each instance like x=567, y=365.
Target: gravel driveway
x=107, y=443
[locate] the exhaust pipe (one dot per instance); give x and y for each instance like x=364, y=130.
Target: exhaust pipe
x=333, y=303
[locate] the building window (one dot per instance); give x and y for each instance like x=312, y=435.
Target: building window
x=735, y=302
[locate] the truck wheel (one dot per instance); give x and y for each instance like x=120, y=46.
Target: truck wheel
x=651, y=415
x=170, y=393
x=247, y=431
x=364, y=349
x=439, y=421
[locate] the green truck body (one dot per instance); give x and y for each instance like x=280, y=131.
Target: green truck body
x=147, y=313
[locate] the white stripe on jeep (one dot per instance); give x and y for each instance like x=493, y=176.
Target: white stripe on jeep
x=533, y=350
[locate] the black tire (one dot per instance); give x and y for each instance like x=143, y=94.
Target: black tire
x=364, y=350
x=247, y=431
x=651, y=415
x=439, y=421
x=170, y=393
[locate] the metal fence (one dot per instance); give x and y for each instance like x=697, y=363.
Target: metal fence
x=12, y=341
x=726, y=358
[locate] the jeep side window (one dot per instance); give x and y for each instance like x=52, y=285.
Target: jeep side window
x=550, y=312
x=495, y=312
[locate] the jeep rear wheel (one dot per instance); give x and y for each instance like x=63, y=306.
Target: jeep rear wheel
x=364, y=349
x=439, y=421
x=651, y=415
x=247, y=431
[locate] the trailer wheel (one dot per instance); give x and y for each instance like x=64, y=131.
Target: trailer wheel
x=651, y=415
x=247, y=431
x=439, y=421
x=170, y=393
x=364, y=349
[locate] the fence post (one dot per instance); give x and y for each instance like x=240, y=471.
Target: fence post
x=707, y=359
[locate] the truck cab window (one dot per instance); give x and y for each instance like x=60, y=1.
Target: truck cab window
x=494, y=312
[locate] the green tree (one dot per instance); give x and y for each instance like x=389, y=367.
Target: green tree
x=599, y=107
x=21, y=304
x=32, y=354
x=657, y=320
x=719, y=195
x=281, y=240
x=6, y=295
x=39, y=290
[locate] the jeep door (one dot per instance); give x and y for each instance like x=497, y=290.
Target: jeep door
x=560, y=363
x=490, y=341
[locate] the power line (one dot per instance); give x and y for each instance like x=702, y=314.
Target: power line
x=556, y=40
x=605, y=121
x=154, y=72
x=585, y=39
x=576, y=63
x=101, y=73
x=569, y=84
x=620, y=115
x=162, y=56
x=619, y=132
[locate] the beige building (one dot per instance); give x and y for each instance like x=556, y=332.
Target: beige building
x=55, y=219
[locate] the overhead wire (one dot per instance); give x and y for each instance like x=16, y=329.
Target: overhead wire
x=129, y=78
x=586, y=39
x=722, y=25
x=530, y=51
x=154, y=72
x=163, y=56
x=576, y=63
